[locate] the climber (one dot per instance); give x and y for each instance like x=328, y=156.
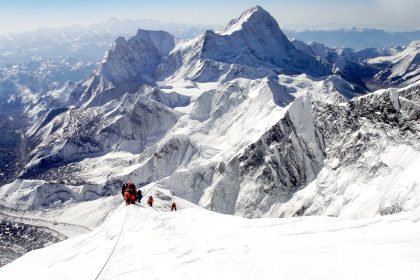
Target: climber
x=173, y=206
x=150, y=201
x=139, y=196
x=130, y=194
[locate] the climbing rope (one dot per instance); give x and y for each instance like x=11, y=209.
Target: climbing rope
x=149, y=191
x=115, y=246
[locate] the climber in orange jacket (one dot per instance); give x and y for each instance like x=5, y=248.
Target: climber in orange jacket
x=129, y=193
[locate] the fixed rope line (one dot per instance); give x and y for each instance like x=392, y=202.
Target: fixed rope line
x=113, y=249
x=149, y=191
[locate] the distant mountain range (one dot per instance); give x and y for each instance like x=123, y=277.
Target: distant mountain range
x=88, y=43
x=356, y=38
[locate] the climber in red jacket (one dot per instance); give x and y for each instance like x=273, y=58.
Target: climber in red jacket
x=150, y=201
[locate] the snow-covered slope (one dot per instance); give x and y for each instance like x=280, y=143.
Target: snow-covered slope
x=192, y=243
x=401, y=69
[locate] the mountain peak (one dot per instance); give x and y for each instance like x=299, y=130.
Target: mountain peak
x=255, y=15
x=255, y=9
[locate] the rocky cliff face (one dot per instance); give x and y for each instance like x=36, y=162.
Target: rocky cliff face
x=371, y=147
x=286, y=157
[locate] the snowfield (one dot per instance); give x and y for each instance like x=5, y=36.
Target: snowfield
x=144, y=243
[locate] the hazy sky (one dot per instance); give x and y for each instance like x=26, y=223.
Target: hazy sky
x=22, y=15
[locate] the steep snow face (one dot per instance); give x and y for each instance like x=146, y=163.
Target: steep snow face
x=401, y=69
x=253, y=15
x=287, y=157
x=215, y=156
x=255, y=39
x=129, y=64
x=372, y=151
x=137, y=240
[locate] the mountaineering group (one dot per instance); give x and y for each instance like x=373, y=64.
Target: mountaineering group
x=131, y=195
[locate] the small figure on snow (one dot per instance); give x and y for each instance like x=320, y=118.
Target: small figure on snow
x=129, y=193
x=173, y=206
x=139, y=196
x=150, y=201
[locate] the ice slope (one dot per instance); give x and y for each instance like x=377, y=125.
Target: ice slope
x=140, y=242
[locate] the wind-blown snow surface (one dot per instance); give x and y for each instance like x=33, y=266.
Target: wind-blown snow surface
x=139, y=242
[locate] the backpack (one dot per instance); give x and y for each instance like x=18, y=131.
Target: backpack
x=131, y=188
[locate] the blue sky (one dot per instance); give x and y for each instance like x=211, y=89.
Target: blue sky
x=21, y=15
